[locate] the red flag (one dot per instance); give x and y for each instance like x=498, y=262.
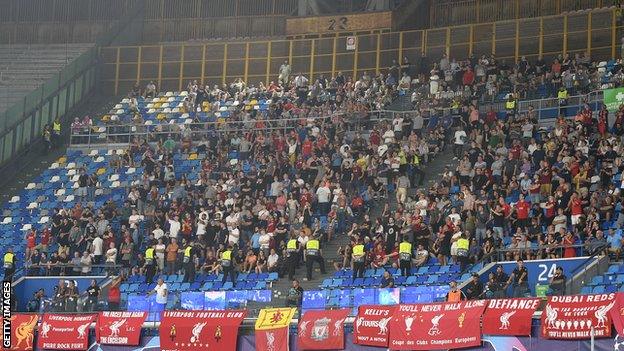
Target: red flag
x=573, y=317
x=509, y=316
x=272, y=328
x=371, y=325
x=617, y=313
x=200, y=330
x=322, y=330
x=439, y=326
x=23, y=331
x=273, y=339
x=119, y=328
x=64, y=331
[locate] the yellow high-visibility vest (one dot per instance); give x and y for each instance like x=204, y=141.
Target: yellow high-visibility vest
x=510, y=105
x=405, y=251
x=292, y=245
x=149, y=256
x=9, y=260
x=226, y=258
x=462, y=247
x=56, y=126
x=358, y=253
x=312, y=247
x=187, y=254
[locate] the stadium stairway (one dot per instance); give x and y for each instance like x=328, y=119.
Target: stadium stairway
x=330, y=250
x=34, y=162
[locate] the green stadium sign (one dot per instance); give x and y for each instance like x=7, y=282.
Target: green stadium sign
x=613, y=98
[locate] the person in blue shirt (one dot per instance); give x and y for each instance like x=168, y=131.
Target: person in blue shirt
x=614, y=239
x=255, y=241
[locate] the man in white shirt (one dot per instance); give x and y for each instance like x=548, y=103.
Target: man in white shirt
x=97, y=249
x=161, y=294
x=174, y=226
x=322, y=195
x=158, y=232
x=460, y=138
x=422, y=255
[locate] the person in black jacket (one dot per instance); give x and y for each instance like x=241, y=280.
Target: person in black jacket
x=474, y=288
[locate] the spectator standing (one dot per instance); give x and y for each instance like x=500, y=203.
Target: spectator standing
x=474, y=288
x=295, y=294
x=93, y=294
x=519, y=280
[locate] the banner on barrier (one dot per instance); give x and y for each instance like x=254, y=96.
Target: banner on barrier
x=23, y=331
x=371, y=325
x=119, y=328
x=64, y=331
x=439, y=326
x=272, y=328
x=574, y=317
x=322, y=330
x=200, y=330
x=509, y=316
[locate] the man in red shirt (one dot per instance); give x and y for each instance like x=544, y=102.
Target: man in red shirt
x=576, y=208
x=522, y=212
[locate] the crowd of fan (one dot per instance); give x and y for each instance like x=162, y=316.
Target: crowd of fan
x=513, y=183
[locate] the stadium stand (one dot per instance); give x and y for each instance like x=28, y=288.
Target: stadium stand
x=23, y=68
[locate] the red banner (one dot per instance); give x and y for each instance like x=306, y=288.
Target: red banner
x=617, y=313
x=573, y=317
x=64, y=331
x=509, y=316
x=371, y=325
x=22, y=331
x=439, y=326
x=200, y=330
x=322, y=330
x=273, y=339
x=119, y=328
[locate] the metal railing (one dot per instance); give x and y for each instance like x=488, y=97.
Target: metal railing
x=101, y=136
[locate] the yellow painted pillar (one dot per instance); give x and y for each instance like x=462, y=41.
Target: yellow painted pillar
x=378, y=54
x=494, y=38
x=268, y=64
x=160, y=60
x=224, y=70
x=203, y=67
x=355, y=62
x=181, y=78
x=613, y=33
x=117, y=71
x=565, y=34
x=541, y=37
x=447, y=48
x=246, y=72
x=423, y=41
x=400, y=52
x=312, y=52
x=138, y=75
x=471, y=41
x=589, y=32
x=517, y=43
x=290, y=50
x=335, y=46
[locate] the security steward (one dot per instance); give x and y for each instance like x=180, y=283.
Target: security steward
x=189, y=264
x=463, y=244
x=358, y=258
x=292, y=255
x=405, y=256
x=150, y=264
x=313, y=254
x=511, y=105
x=562, y=97
x=227, y=264
x=9, y=264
